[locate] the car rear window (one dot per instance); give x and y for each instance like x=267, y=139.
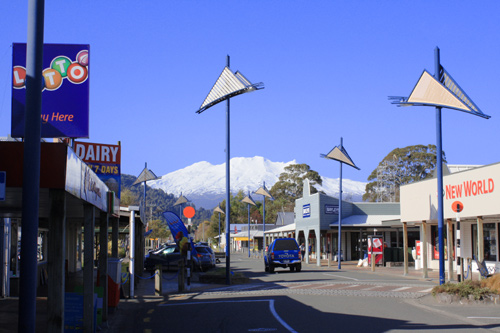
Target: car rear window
x=202, y=249
x=285, y=244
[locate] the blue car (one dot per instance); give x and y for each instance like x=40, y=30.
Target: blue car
x=283, y=252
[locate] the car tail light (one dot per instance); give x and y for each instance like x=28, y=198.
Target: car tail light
x=300, y=256
x=272, y=255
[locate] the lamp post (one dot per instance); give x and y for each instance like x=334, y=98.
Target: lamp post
x=228, y=85
x=220, y=211
x=182, y=200
x=265, y=193
x=249, y=201
x=441, y=91
x=338, y=153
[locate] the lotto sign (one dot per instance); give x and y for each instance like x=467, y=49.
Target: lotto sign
x=104, y=160
x=65, y=93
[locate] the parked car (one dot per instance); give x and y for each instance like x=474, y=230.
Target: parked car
x=210, y=250
x=168, y=256
x=206, y=258
x=283, y=252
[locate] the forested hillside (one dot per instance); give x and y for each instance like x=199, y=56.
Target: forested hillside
x=157, y=201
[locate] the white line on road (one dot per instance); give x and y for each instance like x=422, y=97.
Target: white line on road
x=401, y=289
x=340, y=276
x=484, y=317
x=271, y=307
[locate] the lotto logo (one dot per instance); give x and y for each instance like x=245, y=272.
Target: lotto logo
x=61, y=67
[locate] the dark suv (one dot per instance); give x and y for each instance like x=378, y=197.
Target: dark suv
x=283, y=252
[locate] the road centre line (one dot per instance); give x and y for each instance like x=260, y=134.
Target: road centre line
x=271, y=308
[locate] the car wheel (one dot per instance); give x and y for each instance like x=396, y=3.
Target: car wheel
x=298, y=268
x=292, y=268
x=271, y=269
x=266, y=268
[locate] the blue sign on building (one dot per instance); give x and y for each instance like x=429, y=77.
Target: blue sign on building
x=306, y=210
x=332, y=209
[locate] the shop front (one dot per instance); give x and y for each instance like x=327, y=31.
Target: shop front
x=476, y=192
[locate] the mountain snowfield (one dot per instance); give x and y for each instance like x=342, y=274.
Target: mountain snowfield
x=204, y=184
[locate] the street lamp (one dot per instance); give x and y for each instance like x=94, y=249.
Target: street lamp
x=263, y=191
x=144, y=176
x=338, y=153
x=249, y=201
x=228, y=85
x=441, y=91
x=182, y=200
x=220, y=211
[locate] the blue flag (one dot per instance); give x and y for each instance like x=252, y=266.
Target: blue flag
x=179, y=232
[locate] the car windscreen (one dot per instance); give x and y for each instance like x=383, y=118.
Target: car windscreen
x=285, y=244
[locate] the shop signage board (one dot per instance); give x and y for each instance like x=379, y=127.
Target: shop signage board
x=104, y=160
x=332, y=209
x=306, y=210
x=375, y=246
x=83, y=183
x=475, y=189
x=65, y=94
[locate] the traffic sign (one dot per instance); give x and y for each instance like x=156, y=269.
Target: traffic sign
x=189, y=212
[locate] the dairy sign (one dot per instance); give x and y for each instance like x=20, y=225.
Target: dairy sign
x=65, y=92
x=104, y=160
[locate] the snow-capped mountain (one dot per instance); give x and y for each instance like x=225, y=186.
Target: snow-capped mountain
x=204, y=184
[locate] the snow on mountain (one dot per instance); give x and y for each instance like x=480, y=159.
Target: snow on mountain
x=205, y=184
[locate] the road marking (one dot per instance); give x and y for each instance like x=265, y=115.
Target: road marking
x=426, y=290
x=484, y=317
x=371, y=288
x=271, y=308
x=401, y=288
x=340, y=276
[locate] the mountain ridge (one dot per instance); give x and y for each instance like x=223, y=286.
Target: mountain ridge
x=206, y=185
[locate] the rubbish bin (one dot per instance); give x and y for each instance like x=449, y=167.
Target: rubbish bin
x=114, y=281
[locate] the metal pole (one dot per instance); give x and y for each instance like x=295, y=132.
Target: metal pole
x=264, y=220
x=219, y=234
x=31, y=170
x=248, y=205
x=339, y=252
x=228, y=194
x=131, y=267
x=459, y=266
x=439, y=162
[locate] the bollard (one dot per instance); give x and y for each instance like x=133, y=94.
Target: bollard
x=181, y=275
x=158, y=287
x=373, y=262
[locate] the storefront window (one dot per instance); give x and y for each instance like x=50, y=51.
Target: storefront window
x=490, y=241
x=435, y=242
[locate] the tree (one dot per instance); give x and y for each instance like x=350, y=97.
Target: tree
x=160, y=230
x=290, y=187
x=401, y=166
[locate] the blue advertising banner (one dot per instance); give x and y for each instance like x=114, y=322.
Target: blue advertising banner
x=179, y=232
x=65, y=95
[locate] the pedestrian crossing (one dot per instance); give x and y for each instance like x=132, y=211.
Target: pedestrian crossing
x=332, y=288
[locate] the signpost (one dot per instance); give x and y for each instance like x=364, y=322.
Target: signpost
x=457, y=207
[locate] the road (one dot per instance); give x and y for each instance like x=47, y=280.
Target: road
x=313, y=300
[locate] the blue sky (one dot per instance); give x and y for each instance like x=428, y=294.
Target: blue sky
x=327, y=68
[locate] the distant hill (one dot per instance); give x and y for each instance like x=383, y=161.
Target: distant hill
x=204, y=184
